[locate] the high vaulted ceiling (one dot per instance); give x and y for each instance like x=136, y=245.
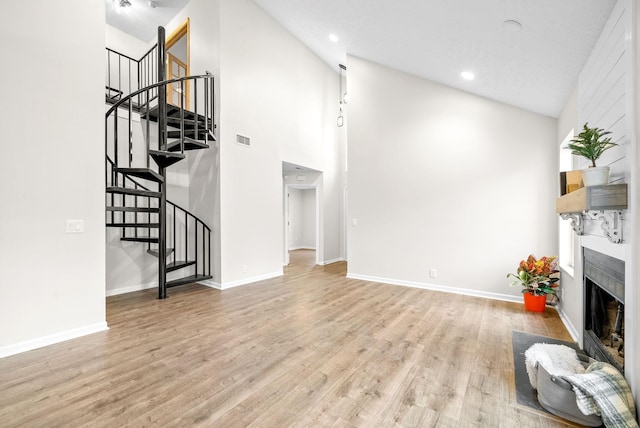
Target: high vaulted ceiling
x=141, y=20
x=534, y=67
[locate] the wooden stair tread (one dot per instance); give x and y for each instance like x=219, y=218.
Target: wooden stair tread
x=134, y=209
x=203, y=134
x=187, y=280
x=154, y=252
x=140, y=239
x=179, y=265
x=144, y=173
x=165, y=158
x=134, y=192
x=137, y=225
x=173, y=112
x=189, y=144
x=173, y=117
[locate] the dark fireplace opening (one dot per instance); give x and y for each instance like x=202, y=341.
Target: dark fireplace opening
x=604, y=308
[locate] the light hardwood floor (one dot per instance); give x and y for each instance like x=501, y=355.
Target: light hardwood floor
x=310, y=349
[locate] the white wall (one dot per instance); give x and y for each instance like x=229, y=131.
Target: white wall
x=308, y=219
x=124, y=43
x=295, y=219
x=302, y=219
x=276, y=91
x=52, y=284
x=632, y=294
x=440, y=178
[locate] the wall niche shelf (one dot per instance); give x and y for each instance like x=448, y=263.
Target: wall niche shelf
x=604, y=203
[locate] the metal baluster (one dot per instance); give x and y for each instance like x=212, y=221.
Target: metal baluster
x=195, y=107
x=109, y=72
x=206, y=109
x=186, y=236
x=213, y=104
x=115, y=138
x=182, y=117
x=162, y=110
x=195, y=245
x=120, y=74
x=130, y=133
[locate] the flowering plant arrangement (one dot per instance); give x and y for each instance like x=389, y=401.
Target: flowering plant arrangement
x=534, y=275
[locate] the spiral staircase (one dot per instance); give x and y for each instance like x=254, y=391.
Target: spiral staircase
x=145, y=135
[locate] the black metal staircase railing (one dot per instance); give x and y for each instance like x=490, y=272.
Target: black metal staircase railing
x=180, y=240
x=125, y=75
x=188, y=126
x=135, y=211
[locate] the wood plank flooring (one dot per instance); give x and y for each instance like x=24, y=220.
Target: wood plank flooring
x=310, y=349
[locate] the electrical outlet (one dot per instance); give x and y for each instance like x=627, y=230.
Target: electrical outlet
x=433, y=273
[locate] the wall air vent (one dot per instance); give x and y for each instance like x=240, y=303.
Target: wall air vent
x=243, y=141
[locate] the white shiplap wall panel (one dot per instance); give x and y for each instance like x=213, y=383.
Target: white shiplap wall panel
x=606, y=98
x=600, y=57
x=605, y=73
x=603, y=87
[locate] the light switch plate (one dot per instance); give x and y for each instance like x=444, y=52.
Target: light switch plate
x=75, y=226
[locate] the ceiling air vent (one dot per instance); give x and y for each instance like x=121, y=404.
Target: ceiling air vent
x=243, y=141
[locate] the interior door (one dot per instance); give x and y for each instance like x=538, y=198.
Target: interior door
x=178, y=59
x=177, y=91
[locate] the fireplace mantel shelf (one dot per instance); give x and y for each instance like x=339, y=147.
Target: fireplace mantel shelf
x=605, y=203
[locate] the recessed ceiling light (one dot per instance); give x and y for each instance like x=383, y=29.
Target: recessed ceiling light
x=512, y=25
x=467, y=75
x=333, y=38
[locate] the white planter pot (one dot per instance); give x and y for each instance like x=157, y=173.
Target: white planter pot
x=595, y=176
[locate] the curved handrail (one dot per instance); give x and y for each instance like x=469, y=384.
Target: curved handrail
x=207, y=110
x=156, y=85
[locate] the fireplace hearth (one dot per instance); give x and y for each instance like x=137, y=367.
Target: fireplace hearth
x=604, y=308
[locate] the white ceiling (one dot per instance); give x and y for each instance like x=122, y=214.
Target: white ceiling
x=535, y=68
x=140, y=20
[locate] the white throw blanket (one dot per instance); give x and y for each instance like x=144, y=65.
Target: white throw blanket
x=557, y=360
x=602, y=390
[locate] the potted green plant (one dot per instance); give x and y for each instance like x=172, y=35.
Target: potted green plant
x=591, y=143
x=536, y=276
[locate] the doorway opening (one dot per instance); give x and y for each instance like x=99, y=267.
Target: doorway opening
x=301, y=227
x=301, y=209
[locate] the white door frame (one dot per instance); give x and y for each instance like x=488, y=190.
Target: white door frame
x=287, y=187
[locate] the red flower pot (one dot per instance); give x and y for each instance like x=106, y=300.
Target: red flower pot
x=534, y=303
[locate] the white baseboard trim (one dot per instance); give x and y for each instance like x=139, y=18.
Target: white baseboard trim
x=245, y=281
x=211, y=284
x=328, y=262
x=302, y=248
x=435, y=287
x=131, y=288
x=51, y=339
x=568, y=325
